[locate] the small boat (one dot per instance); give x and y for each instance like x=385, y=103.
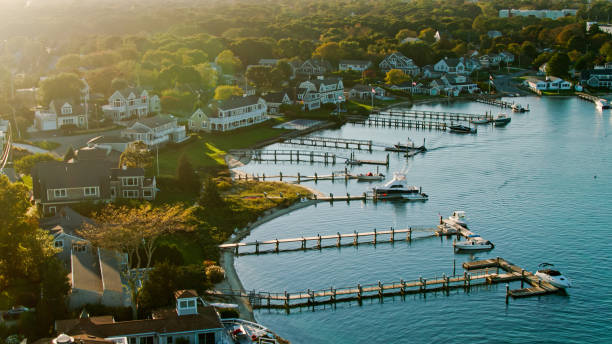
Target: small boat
x=553, y=277
x=370, y=176
x=517, y=108
x=410, y=146
x=462, y=129
x=458, y=217
x=480, y=121
x=473, y=243
x=501, y=120
x=398, y=189
x=602, y=104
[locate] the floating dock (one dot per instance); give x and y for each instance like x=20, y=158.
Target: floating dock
x=335, y=142
x=438, y=115
x=497, y=102
x=377, y=121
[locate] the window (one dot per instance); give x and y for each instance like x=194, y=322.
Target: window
x=91, y=191
x=147, y=193
x=191, y=303
x=58, y=243
x=117, y=103
x=146, y=340
x=132, y=340
x=206, y=338
x=113, y=192
x=132, y=102
x=130, y=181
x=130, y=193
x=66, y=110
x=183, y=304
x=59, y=192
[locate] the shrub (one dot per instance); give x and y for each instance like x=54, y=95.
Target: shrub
x=215, y=274
x=229, y=313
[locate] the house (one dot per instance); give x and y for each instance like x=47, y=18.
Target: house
x=156, y=130
x=191, y=321
x=450, y=66
x=599, y=76
x=116, y=143
x=94, y=273
x=506, y=57
x=131, y=103
x=471, y=64
x=491, y=60
x=365, y=92
x=61, y=113
x=410, y=40
x=494, y=34
x=606, y=28
x=428, y=72
x=96, y=153
x=230, y=114
x=56, y=184
x=314, y=67
x=550, y=83
x=550, y=14
x=356, y=65
x=555, y=83
x=397, y=60
x=275, y=100
x=4, y=129
x=460, y=83
x=313, y=93
x=536, y=84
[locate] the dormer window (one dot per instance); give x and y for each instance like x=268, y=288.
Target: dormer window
x=143, y=99
x=186, y=302
x=66, y=110
x=117, y=103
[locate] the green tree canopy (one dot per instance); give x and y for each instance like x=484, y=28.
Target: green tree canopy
x=558, y=65
x=25, y=164
x=62, y=86
x=228, y=62
x=224, y=92
x=396, y=77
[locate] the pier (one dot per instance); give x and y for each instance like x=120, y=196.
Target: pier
x=318, y=141
x=379, y=121
x=496, y=102
x=431, y=115
x=287, y=156
x=481, y=272
x=594, y=99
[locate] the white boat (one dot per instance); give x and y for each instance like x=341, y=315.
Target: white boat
x=517, y=108
x=553, y=277
x=397, y=188
x=459, y=218
x=473, y=243
x=602, y=103
x=480, y=121
x=370, y=176
x=501, y=120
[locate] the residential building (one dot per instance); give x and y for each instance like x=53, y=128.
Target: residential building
x=155, y=131
x=94, y=274
x=116, y=143
x=460, y=83
x=494, y=34
x=606, y=28
x=192, y=321
x=356, y=65
x=314, y=93
x=130, y=103
x=471, y=64
x=506, y=57
x=410, y=40
x=4, y=128
x=397, y=60
x=275, y=100
x=230, y=114
x=450, y=66
x=600, y=76
x=366, y=92
x=61, y=113
x=428, y=72
x=491, y=60
x=314, y=67
x=550, y=14
x=56, y=184
x=550, y=83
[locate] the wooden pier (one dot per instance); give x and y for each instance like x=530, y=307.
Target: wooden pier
x=482, y=272
x=379, y=121
x=495, y=102
x=331, y=142
x=431, y=115
x=592, y=98
x=298, y=156
x=376, y=237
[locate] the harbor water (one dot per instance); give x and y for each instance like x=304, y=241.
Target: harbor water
x=540, y=189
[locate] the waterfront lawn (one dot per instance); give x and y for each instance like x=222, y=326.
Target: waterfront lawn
x=256, y=197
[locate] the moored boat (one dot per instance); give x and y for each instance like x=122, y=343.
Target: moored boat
x=397, y=188
x=553, y=277
x=458, y=217
x=370, y=176
x=480, y=121
x=501, y=120
x=518, y=108
x=461, y=129
x=602, y=104
x=473, y=243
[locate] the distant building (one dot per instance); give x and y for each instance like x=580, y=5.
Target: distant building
x=314, y=67
x=606, y=28
x=365, y=92
x=356, y=65
x=506, y=57
x=230, y=114
x=550, y=14
x=60, y=113
x=131, y=103
x=600, y=76
x=494, y=34
x=156, y=130
x=313, y=93
x=450, y=66
x=397, y=60
x=4, y=128
x=275, y=100
x=550, y=83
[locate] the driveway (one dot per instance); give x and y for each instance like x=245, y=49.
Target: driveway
x=505, y=84
x=75, y=141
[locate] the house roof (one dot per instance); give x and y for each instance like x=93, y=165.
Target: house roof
x=126, y=91
x=276, y=97
x=164, y=322
x=356, y=62
x=179, y=294
x=60, y=175
x=325, y=81
x=153, y=122
x=91, y=153
x=318, y=63
x=452, y=61
x=108, y=139
x=56, y=107
x=66, y=220
x=238, y=102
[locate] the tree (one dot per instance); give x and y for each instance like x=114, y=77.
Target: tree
x=210, y=194
x=208, y=75
x=329, y=51
x=396, y=77
x=261, y=76
x=224, y=92
x=558, y=65
x=69, y=154
x=228, y=62
x=70, y=62
x=428, y=35
x=186, y=175
x=119, y=84
x=137, y=154
x=61, y=86
x=25, y=164
x=405, y=33
x=288, y=47
x=606, y=51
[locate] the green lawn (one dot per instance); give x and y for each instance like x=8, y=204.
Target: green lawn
x=208, y=149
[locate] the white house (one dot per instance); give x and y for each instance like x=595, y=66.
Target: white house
x=600, y=76
x=61, y=113
x=157, y=130
x=397, y=60
x=356, y=65
x=450, y=66
x=130, y=103
x=230, y=114
x=550, y=83
x=314, y=67
x=313, y=93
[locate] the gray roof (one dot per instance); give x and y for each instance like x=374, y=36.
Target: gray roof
x=64, y=221
x=452, y=62
x=356, y=62
x=154, y=122
x=237, y=102
x=126, y=91
x=276, y=97
x=91, y=153
x=109, y=139
x=326, y=81
x=56, y=107
x=362, y=88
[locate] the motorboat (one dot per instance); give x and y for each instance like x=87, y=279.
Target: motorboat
x=398, y=189
x=473, y=243
x=462, y=129
x=501, y=120
x=553, y=277
x=480, y=121
x=409, y=146
x=602, y=104
x=458, y=217
x=370, y=176
x=517, y=108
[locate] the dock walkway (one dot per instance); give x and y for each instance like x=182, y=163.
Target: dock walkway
x=422, y=114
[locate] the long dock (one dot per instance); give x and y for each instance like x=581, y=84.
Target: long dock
x=318, y=240
x=335, y=142
x=594, y=99
x=496, y=102
x=482, y=272
x=287, y=156
x=437, y=115
x=379, y=121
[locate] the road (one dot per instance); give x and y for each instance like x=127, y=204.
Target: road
x=75, y=141
x=505, y=84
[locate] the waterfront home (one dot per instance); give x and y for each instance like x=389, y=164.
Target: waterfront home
x=550, y=14
x=131, y=103
x=450, y=66
x=506, y=57
x=314, y=67
x=230, y=114
x=56, y=184
x=94, y=273
x=313, y=93
x=550, y=83
x=599, y=76
x=365, y=92
x=61, y=113
x=155, y=131
x=397, y=60
x=356, y=65
x=459, y=83
x=275, y=100
x=490, y=60
x=471, y=64
x=191, y=321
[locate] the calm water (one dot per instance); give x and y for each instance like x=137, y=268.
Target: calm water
x=540, y=189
